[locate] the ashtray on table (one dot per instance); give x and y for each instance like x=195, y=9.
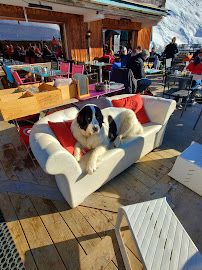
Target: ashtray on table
x=100, y=87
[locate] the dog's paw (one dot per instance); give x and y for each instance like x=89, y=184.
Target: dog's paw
x=117, y=142
x=77, y=157
x=91, y=167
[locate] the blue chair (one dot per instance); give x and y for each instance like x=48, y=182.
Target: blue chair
x=115, y=65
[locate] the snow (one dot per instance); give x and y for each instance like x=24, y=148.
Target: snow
x=12, y=30
x=184, y=23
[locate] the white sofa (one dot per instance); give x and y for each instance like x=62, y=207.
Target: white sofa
x=71, y=177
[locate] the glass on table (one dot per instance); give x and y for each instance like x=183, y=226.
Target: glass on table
x=150, y=64
x=145, y=64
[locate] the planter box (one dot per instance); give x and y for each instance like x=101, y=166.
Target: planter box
x=47, y=97
x=52, y=97
x=67, y=91
x=17, y=105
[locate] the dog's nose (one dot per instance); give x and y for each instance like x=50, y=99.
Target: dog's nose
x=95, y=129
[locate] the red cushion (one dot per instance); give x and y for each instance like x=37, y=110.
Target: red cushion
x=195, y=69
x=134, y=103
x=64, y=135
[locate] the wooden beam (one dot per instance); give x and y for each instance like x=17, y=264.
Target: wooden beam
x=112, y=24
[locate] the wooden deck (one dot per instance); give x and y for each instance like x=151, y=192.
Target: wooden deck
x=50, y=235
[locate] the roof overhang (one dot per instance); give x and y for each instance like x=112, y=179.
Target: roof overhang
x=94, y=10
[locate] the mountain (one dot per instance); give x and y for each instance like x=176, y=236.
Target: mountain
x=184, y=23
x=14, y=30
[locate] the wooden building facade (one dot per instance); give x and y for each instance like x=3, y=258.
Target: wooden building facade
x=75, y=21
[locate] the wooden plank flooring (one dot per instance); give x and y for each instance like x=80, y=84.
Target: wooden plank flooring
x=50, y=235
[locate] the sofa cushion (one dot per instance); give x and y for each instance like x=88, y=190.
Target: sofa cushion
x=134, y=103
x=64, y=135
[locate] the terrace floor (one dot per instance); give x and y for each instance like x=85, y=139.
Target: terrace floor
x=50, y=235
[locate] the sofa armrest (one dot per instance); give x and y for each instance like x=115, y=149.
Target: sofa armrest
x=158, y=109
x=52, y=157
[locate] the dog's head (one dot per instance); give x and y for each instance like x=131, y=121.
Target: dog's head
x=90, y=120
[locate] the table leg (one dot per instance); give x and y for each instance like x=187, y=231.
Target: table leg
x=34, y=77
x=100, y=73
x=42, y=78
x=197, y=120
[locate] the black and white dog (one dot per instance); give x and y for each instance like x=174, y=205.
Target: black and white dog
x=94, y=129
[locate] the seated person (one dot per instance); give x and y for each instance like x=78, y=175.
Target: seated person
x=31, y=53
x=130, y=50
x=136, y=64
x=124, y=57
x=37, y=51
x=196, y=66
x=59, y=52
x=139, y=49
x=46, y=51
x=109, y=54
x=153, y=57
x=16, y=55
x=197, y=53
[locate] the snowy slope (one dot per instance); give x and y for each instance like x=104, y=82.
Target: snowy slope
x=12, y=30
x=184, y=23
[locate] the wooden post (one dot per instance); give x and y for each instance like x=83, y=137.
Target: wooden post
x=135, y=38
x=89, y=47
x=64, y=40
x=111, y=43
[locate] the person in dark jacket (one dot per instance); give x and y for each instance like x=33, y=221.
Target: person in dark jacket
x=136, y=64
x=171, y=49
x=195, y=55
x=124, y=57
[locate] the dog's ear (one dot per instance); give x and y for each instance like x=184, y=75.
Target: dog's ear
x=84, y=117
x=81, y=119
x=99, y=116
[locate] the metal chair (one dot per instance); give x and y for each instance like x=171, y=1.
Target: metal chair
x=54, y=65
x=88, y=71
x=178, y=87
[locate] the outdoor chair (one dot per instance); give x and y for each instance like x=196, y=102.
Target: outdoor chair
x=77, y=69
x=88, y=71
x=178, y=87
x=125, y=76
x=26, y=59
x=22, y=81
x=54, y=65
x=33, y=61
x=115, y=65
x=160, y=239
x=106, y=69
x=64, y=67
